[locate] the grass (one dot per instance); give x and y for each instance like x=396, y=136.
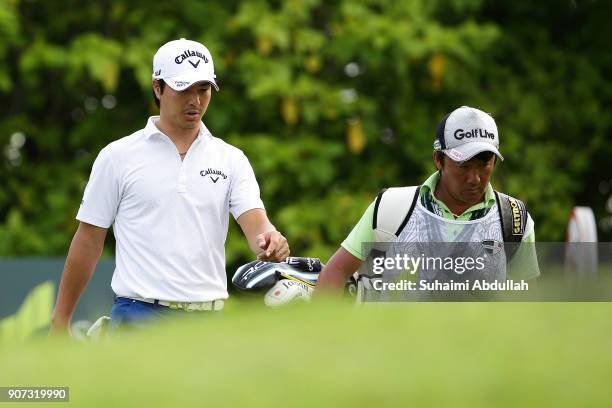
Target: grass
x=419, y=354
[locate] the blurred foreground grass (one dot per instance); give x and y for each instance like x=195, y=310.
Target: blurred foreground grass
x=417, y=354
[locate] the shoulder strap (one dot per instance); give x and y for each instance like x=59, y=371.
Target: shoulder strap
x=513, y=219
x=392, y=210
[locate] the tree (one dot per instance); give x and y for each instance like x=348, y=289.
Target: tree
x=331, y=101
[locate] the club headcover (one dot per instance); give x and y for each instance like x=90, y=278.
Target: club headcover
x=262, y=275
x=288, y=290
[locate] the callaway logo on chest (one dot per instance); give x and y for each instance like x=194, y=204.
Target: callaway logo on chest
x=213, y=174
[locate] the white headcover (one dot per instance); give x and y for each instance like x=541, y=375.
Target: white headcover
x=99, y=328
x=287, y=290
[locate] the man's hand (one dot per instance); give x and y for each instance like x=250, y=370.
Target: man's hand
x=264, y=240
x=273, y=245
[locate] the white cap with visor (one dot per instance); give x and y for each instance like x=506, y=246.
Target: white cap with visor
x=465, y=132
x=182, y=63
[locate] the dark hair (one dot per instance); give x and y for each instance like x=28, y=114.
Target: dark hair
x=162, y=85
x=484, y=157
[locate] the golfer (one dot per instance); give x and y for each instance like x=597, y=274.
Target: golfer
x=455, y=204
x=167, y=190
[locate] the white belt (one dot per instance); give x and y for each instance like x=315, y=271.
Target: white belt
x=212, y=305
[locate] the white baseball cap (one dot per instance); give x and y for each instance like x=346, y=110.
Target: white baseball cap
x=182, y=63
x=465, y=132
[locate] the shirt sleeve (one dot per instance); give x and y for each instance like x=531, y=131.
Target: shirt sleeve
x=524, y=264
x=244, y=190
x=361, y=233
x=102, y=193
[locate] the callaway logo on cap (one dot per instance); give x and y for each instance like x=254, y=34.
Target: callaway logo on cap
x=465, y=132
x=182, y=63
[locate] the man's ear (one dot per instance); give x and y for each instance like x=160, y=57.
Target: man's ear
x=436, y=161
x=156, y=89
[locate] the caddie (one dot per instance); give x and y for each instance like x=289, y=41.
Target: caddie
x=455, y=204
x=167, y=190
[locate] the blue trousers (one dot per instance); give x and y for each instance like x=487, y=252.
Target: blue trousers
x=134, y=313
x=130, y=312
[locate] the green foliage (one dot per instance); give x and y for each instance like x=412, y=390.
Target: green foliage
x=331, y=101
x=33, y=316
x=424, y=355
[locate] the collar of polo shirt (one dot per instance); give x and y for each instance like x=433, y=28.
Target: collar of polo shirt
x=151, y=129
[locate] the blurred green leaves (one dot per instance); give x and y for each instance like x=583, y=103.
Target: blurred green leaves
x=33, y=316
x=331, y=101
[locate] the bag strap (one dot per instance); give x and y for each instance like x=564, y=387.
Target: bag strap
x=393, y=208
x=513, y=219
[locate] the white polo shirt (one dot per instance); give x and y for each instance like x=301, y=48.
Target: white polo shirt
x=169, y=217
